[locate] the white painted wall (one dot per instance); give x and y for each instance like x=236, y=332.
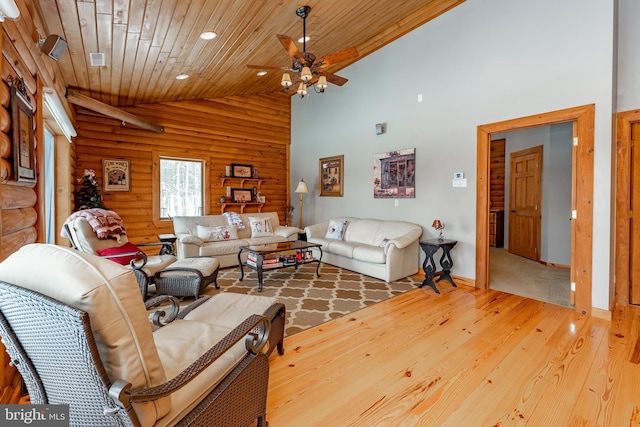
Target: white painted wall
x=628, y=55
x=482, y=62
x=556, y=186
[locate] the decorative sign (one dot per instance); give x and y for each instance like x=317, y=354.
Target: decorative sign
x=116, y=175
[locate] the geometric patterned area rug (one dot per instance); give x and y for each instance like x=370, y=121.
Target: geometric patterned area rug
x=311, y=300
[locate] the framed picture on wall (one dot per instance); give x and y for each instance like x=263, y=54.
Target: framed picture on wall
x=116, y=175
x=332, y=176
x=241, y=195
x=23, y=144
x=241, y=171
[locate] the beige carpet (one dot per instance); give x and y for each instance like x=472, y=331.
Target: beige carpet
x=312, y=300
x=521, y=276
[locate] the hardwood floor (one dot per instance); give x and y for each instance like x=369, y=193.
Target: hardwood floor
x=466, y=357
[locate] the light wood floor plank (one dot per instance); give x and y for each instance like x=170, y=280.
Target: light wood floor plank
x=464, y=357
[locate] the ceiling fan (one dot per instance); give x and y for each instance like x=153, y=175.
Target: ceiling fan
x=307, y=68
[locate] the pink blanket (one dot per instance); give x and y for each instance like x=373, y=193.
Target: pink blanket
x=106, y=224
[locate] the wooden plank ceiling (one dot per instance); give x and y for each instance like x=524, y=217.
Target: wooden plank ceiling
x=148, y=42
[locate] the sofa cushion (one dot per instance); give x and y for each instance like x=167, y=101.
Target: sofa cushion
x=223, y=247
x=217, y=233
x=127, y=248
x=374, y=254
x=109, y=293
x=363, y=231
x=260, y=227
x=336, y=229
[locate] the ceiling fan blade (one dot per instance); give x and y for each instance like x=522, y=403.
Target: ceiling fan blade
x=290, y=47
x=332, y=78
x=266, y=67
x=339, y=56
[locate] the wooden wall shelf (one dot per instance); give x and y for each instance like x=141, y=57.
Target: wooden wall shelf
x=224, y=205
x=258, y=181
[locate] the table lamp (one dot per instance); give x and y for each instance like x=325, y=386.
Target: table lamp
x=302, y=189
x=438, y=226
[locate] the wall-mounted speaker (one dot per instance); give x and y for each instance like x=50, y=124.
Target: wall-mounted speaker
x=53, y=46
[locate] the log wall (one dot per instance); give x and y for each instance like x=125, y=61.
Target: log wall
x=497, y=174
x=252, y=130
x=20, y=219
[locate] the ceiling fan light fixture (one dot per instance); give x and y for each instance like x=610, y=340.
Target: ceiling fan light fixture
x=305, y=74
x=286, y=80
x=302, y=90
x=322, y=83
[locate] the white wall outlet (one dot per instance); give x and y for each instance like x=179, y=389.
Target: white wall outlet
x=396, y=203
x=419, y=97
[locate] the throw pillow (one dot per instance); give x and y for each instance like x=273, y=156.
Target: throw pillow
x=260, y=227
x=127, y=248
x=217, y=233
x=336, y=229
x=233, y=218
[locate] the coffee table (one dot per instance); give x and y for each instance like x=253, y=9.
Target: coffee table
x=273, y=256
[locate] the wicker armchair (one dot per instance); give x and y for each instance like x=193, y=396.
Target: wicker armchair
x=80, y=335
x=186, y=277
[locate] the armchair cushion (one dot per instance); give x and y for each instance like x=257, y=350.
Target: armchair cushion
x=128, y=248
x=109, y=293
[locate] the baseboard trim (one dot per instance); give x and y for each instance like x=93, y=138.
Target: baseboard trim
x=601, y=314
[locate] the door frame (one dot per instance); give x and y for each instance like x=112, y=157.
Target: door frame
x=582, y=254
x=625, y=121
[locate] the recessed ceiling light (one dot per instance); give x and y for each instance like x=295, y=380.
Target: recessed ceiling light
x=300, y=40
x=182, y=76
x=208, y=35
x=262, y=73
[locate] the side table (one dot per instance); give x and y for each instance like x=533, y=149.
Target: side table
x=430, y=247
x=167, y=238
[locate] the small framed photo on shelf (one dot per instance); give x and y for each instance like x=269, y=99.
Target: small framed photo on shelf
x=116, y=175
x=241, y=171
x=241, y=195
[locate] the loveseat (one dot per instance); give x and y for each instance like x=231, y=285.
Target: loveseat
x=387, y=250
x=214, y=236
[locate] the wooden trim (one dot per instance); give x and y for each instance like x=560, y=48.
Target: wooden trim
x=584, y=116
x=625, y=122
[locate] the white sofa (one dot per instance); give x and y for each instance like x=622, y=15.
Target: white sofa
x=363, y=247
x=226, y=251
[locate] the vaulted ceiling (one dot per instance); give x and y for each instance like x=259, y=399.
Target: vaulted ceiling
x=147, y=43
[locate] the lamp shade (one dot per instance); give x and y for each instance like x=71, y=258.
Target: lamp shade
x=286, y=80
x=8, y=9
x=437, y=224
x=302, y=187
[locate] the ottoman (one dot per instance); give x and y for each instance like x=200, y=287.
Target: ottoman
x=187, y=277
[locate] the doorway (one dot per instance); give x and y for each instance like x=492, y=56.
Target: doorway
x=582, y=191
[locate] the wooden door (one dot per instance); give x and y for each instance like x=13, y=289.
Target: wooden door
x=634, y=250
x=525, y=194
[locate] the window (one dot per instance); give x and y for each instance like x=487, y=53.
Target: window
x=181, y=187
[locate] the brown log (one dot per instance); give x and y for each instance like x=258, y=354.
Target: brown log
x=5, y=120
x=14, y=241
x=5, y=145
x=14, y=197
x=5, y=94
x=18, y=219
x=5, y=171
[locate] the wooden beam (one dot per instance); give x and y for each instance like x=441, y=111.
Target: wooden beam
x=84, y=101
